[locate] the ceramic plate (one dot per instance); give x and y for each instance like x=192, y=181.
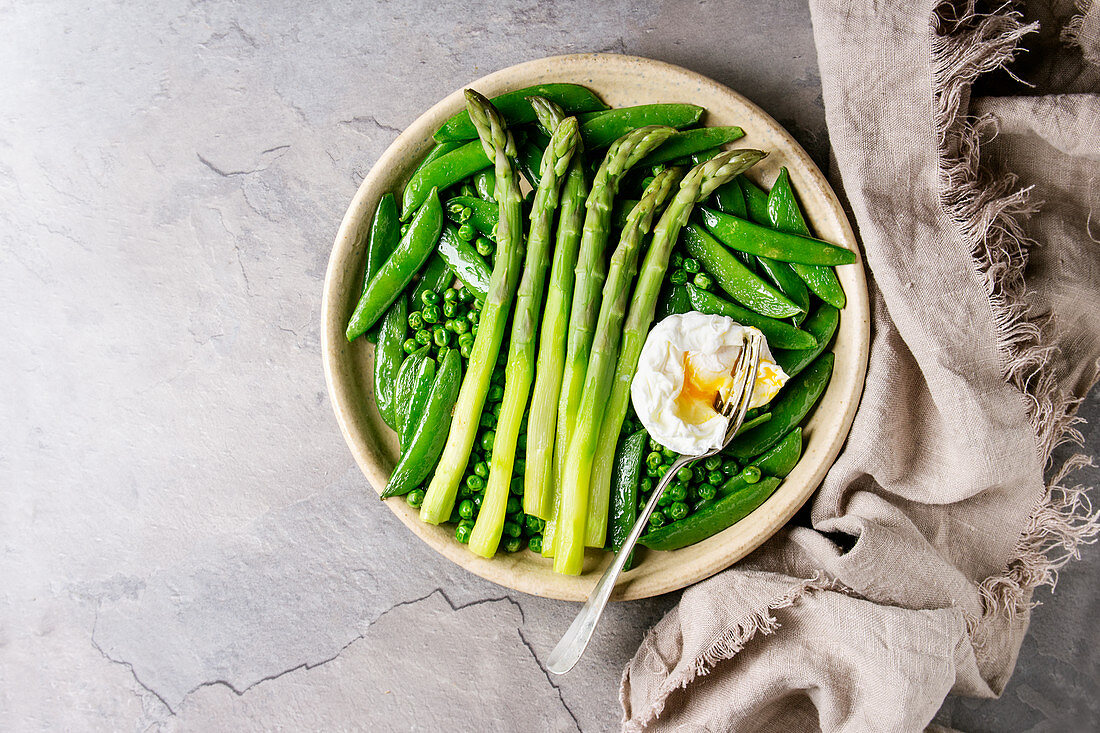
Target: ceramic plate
x=620, y=81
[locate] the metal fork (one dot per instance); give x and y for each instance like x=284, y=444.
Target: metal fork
x=733, y=406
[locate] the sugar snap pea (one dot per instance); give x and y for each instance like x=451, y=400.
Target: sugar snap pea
x=444, y=171
x=391, y=279
x=778, y=333
x=438, y=150
x=756, y=201
x=384, y=235
x=793, y=403
x=515, y=108
x=712, y=519
x=600, y=129
x=483, y=214
x=734, y=277
x=387, y=359
x=730, y=199
x=624, y=490
x=464, y=261
x=781, y=459
x=414, y=381
x=674, y=301
x=690, y=142
x=434, y=276
x=485, y=183
x=422, y=454
x=785, y=215
x=745, y=236
x=821, y=325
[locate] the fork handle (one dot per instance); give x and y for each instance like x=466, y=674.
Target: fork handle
x=576, y=638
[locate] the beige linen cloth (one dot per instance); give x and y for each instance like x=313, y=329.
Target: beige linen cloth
x=915, y=576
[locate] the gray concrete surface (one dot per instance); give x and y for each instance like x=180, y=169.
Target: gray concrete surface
x=187, y=543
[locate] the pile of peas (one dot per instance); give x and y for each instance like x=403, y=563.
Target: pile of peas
x=688, y=268
x=694, y=487
x=447, y=320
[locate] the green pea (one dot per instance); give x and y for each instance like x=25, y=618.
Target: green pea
x=484, y=247
x=654, y=469
x=495, y=393
x=534, y=524
x=657, y=519
x=751, y=474
x=415, y=498
x=516, y=487
x=645, y=486
x=430, y=313
x=440, y=336
x=665, y=500
x=655, y=457
x=714, y=477
x=685, y=474
x=463, y=530
x=677, y=492
x=511, y=529
x=473, y=330
x=429, y=297
x=460, y=326
x=481, y=468
x=677, y=260
x=678, y=277
x=488, y=420
x=477, y=499
x=465, y=214
x=467, y=190
x=424, y=337
x=706, y=491
x=713, y=463
x=495, y=409
x=450, y=309
x=467, y=340
x=521, y=441
x=467, y=296
x=535, y=544
x=466, y=232
x=669, y=454
x=513, y=544
x=678, y=510
x=416, y=321
x=410, y=346
x=519, y=467
x=450, y=295
x=703, y=281
x=466, y=509
x=472, y=316
x=465, y=351
x=513, y=506
x=475, y=483
x=691, y=265
x=730, y=467
x=487, y=439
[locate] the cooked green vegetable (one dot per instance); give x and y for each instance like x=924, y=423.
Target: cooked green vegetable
x=440, y=497
x=441, y=173
x=777, y=333
x=731, y=508
x=387, y=359
x=520, y=369
x=418, y=460
x=412, y=410
x=734, y=277
x=434, y=276
x=695, y=186
x=484, y=183
x=405, y=386
x=756, y=201
x=384, y=235
x=515, y=108
x=483, y=214
x=745, y=236
x=600, y=129
x=782, y=458
x=411, y=252
x=691, y=142
x=821, y=325
x=464, y=261
x=785, y=215
x=793, y=403
x=730, y=198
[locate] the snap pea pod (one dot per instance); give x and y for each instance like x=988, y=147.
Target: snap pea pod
x=712, y=519
x=435, y=276
x=441, y=173
x=730, y=199
x=780, y=273
x=745, y=236
x=385, y=231
x=464, y=261
x=785, y=215
x=624, y=490
x=438, y=150
x=821, y=325
x=600, y=129
x=422, y=454
x=691, y=142
x=398, y=271
x=795, y=401
x=483, y=214
x=752, y=422
x=485, y=183
x=515, y=109
x=530, y=160
x=778, y=333
x=405, y=385
x=781, y=459
x=439, y=499
x=674, y=302
x=387, y=358
x=421, y=386
x=734, y=277
x=756, y=201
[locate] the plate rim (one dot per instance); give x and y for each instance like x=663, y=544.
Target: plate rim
x=508, y=570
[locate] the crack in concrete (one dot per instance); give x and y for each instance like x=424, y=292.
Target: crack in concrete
x=549, y=677
x=280, y=149
x=358, y=120
x=127, y=665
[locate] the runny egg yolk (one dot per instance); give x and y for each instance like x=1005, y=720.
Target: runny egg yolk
x=695, y=403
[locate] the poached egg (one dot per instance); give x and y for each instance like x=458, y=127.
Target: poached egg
x=685, y=362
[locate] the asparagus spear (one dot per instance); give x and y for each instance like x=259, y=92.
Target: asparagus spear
x=697, y=185
x=539, y=488
x=576, y=501
x=499, y=145
x=591, y=270
x=520, y=369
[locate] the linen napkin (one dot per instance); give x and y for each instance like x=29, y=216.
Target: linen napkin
x=941, y=516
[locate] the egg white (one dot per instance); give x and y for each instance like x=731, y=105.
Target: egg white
x=686, y=359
